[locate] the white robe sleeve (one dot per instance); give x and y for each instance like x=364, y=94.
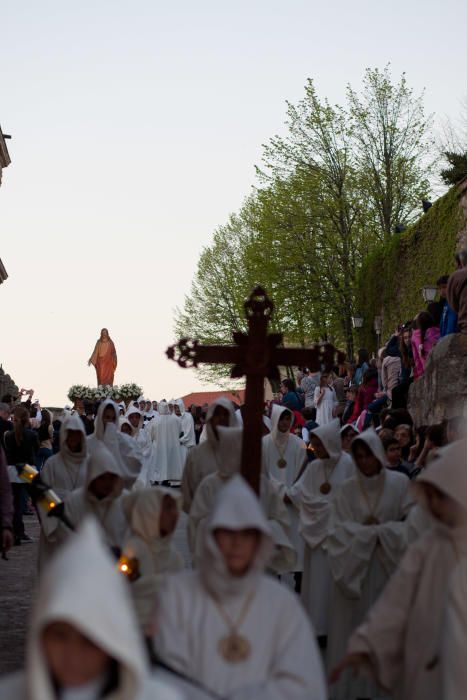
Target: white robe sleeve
x=382, y=634
x=350, y=547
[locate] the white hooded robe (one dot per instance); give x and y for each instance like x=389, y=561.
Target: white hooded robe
x=315, y=508
x=362, y=556
x=167, y=459
x=275, y=447
x=203, y=459
x=284, y=662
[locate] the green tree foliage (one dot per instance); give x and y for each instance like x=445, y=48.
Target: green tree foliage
x=328, y=192
x=458, y=167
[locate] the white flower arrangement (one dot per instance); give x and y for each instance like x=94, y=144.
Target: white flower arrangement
x=78, y=391
x=103, y=391
x=128, y=391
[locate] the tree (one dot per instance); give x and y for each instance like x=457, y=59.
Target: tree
x=453, y=146
x=458, y=169
x=318, y=149
x=392, y=147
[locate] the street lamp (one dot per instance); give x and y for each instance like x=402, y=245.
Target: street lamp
x=429, y=292
x=357, y=321
x=378, y=326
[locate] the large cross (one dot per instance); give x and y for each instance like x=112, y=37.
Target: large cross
x=256, y=355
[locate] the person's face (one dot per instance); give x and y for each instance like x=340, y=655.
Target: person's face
x=104, y=334
x=103, y=485
x=324, y=381
x=109, y=415
x=285, y=422
x=283, y=389
x=346, y=439
x=221, y=417
x=5, y=415
x=366, y=461
x=142, y=405
x=393, y=454
x=154, y=405
x=72, y=658
x=238, y=548
x=444, y=508
x=443, y=290
x=148, y=405
x=406, y=336
x=177, y=410
x=171, y=407
x=403, y=436
x=74, y=440
x=125, y=429
x=168, y=516
x=134, y=419
x=318, y=447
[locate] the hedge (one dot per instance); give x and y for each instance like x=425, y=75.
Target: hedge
x=390, y=281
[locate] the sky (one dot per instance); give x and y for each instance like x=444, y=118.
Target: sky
x=135, y=129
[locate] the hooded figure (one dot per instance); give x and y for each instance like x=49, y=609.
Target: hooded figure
x=187, y=436
x=63, y=472
x=412, y=605
x=229, y=454
x=107, y=509
x=82, y=588
x=126, y=451
x=150, y=545
x=166, y=461
x=365, y=544
x=201, y=611
x=315, y=492
x=283, y=456
x=203, y=459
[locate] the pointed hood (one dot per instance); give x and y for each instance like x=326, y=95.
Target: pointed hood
x=276, y=413
x=102, y=461
x=72, y=422
x=208, y=432
x=142, y=509
x=99, y=427
x=132, y=410
x=181, y=406
x=82, y=587
x=448, y=473
x=236, y=508
x=372, y=441
x=163, y=408
x=229, y=451
x=330, y=436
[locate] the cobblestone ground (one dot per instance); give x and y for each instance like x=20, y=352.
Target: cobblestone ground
x=17, y=583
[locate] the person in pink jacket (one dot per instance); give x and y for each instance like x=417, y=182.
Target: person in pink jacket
x=424, y=336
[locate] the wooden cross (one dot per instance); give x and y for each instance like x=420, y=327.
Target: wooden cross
x=256, y=355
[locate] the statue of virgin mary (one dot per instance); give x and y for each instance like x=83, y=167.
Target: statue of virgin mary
x=104, y=359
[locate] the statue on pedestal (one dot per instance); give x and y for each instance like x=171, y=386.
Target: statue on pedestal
x=104, y=359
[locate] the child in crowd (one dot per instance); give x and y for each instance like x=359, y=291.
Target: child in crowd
x=393, y=452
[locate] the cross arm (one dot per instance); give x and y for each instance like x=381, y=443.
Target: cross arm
x=190, y=353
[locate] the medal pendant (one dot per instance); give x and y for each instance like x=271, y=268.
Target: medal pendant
x=371, y=520
x=234, y=648
x=282, y=463
x=325, y=488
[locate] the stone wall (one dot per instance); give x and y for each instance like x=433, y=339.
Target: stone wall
x=442, y=391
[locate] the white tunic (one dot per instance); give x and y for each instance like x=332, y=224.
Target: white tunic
x=362, y=557
x=315, y=508
x=283, y=662
x=167, y=460
x=289, y=448
x=325, y=408
x=203, y=459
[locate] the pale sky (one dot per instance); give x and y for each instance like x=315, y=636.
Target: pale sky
x=136, y=126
